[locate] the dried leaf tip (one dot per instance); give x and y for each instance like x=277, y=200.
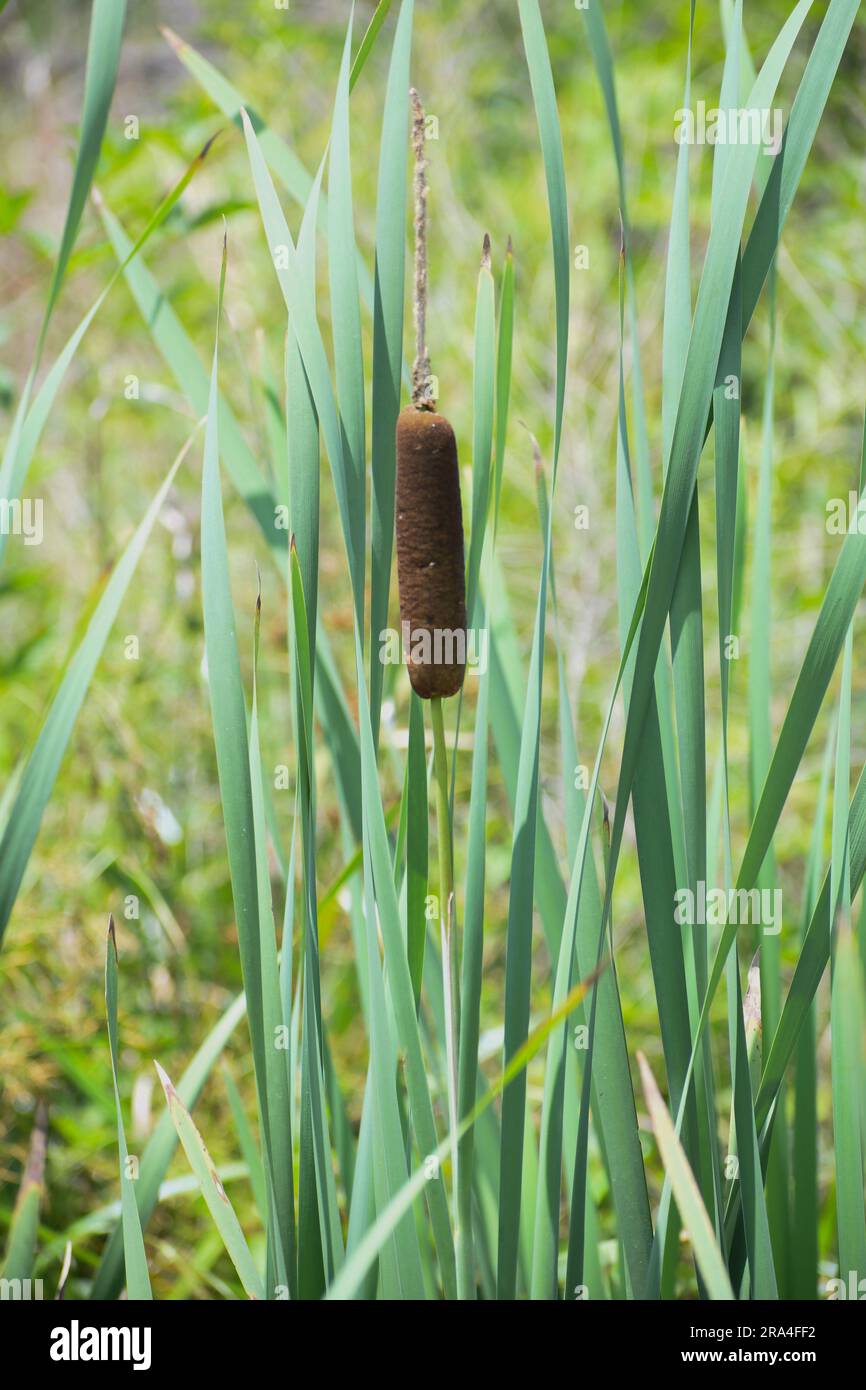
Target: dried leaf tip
x=112, y=934
x=509, y=250
x=537, y=460
x=485, y=252
x=172, y=39
x=206, y=147
x=165, y=1080
x=34, y=1168
x=64, y=1271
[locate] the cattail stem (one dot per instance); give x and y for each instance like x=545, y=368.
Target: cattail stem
x=447, y=924
x=422, y=384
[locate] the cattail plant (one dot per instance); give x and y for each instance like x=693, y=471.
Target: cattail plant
x=430, y=565
x=556, y=1188
x=431, y=581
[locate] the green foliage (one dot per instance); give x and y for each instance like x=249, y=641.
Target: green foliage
x=436, y=1094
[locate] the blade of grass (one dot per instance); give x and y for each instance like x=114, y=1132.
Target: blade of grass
x=233, y=765
x=291, y=172
x=416, y=846
x=388, y=336
x=504, y=354
x=182, y=359
x=519, y=929
x=603, y=62
x=811, y=963
x=492, y=390
x=306, y=329
x=804, y=1148
x=760, y=743
x=726, y=418
x=806, y=111
x=30, y=422
x=686, y=1191
x=24, y=1225
x=160, y=1147
x=345, y=308
x=847, y=1013
x=400, y=984
x=484, y=377
x=212, y=1190
x=135, y=1259
x=249, y=1150
x=320, y=1247
x=103, y=57
x=37, y=781
x=279, y=1172
x=590, y=909
x=379, y=16
x=659, y=885
x=611, y=1067
x=847, y=1019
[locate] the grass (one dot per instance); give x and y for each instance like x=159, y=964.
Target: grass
x=497, y=1147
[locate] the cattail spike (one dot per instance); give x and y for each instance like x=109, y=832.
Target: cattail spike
x=422, y=387
x=430, y=556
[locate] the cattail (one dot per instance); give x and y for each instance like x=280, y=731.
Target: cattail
x=430, y=563
x=430, y=566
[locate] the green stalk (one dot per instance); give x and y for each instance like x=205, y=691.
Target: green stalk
x=448, y=938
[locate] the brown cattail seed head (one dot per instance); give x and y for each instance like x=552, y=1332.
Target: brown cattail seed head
x=430, y=566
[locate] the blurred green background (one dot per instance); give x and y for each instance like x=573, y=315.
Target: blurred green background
x=136, y=808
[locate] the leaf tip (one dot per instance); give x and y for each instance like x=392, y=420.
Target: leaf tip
x=648, y=1081
x=173, y=40
x=206, y=147
x=165, y=1081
